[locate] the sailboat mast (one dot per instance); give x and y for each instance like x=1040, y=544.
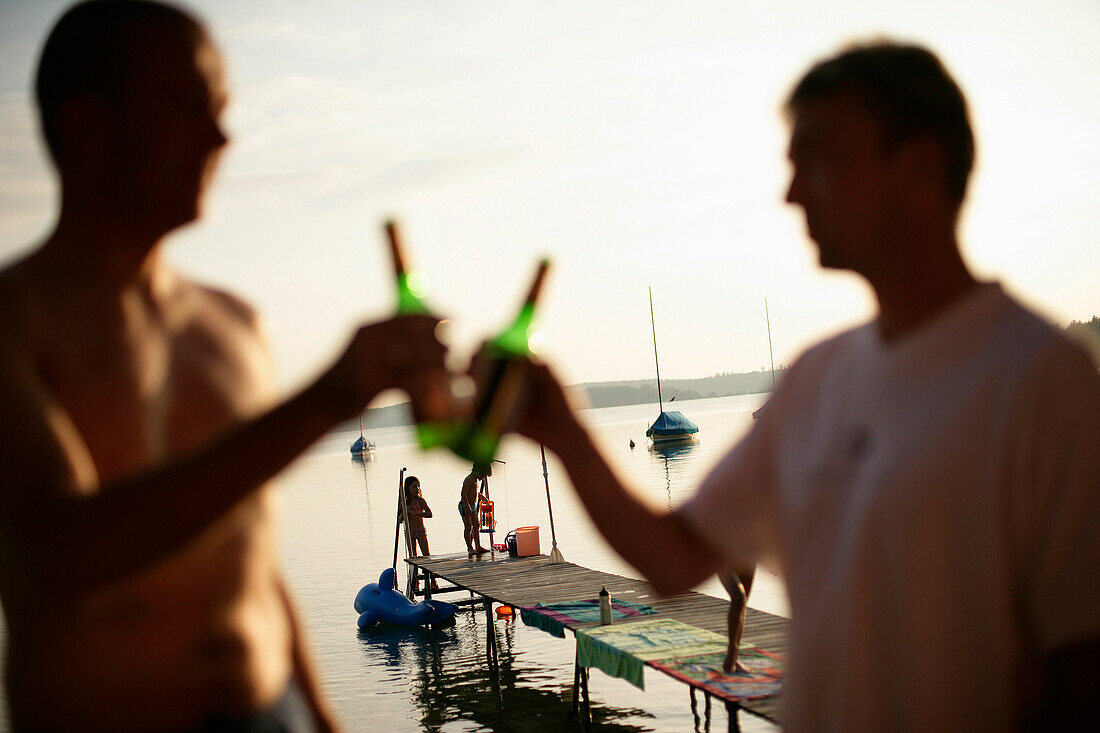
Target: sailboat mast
x=653, y=325
x=768, y=319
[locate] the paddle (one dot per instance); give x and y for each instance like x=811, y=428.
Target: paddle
x=397, y=526
x=555, y=553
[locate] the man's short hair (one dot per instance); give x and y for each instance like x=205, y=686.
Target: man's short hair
x=909, y=90
x=93, y=50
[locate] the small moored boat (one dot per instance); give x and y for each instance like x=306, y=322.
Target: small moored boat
x=362, y=446
x=671, y=426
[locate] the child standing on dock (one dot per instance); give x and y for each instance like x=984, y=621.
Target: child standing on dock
x=738, y=583
x=467, y=507
x=416, y=511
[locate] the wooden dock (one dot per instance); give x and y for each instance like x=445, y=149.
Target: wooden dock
x=525, y=581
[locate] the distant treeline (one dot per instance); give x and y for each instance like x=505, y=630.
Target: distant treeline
x=615, y=394
x=1087, y=333
x=1091, y=326
x=642, y=391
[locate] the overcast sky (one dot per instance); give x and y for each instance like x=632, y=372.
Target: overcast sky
x=634, y=143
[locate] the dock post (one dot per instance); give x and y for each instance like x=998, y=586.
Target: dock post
x=731, y=710
x=582, y=707
x=575, y=710
x=491, y=651
x=587, y=702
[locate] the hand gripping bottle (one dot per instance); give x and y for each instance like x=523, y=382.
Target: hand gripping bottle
x=432, y=404
x=499, y=381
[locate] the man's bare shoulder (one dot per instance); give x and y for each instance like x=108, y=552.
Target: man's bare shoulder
x=219, y=329
x=210, y=313
x=223, y=304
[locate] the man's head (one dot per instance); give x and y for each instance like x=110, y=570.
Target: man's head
x=129, y=93
x=482, y=470
x=878, y=130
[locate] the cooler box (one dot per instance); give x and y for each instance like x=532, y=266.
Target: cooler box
x=527, y=541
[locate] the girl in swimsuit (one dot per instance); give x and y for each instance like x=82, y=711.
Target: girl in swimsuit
x=417, y=510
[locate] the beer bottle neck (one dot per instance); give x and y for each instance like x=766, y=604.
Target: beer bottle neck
x=408, y=302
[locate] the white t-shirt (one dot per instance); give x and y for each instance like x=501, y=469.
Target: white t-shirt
x=934, y=506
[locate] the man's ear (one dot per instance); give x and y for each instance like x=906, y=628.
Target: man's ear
x=922, y=168
x=80, y=123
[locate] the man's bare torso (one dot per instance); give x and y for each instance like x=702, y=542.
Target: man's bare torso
x=145, y=374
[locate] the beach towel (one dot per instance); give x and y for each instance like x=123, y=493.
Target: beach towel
x=621, y=650
x=765, y=678
x=552, y=617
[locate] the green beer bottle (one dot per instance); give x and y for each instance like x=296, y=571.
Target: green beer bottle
x=499, y=382
x=432, y=406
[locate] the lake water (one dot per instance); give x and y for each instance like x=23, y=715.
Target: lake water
x=338, y=534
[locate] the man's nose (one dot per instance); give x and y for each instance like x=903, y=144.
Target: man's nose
x=218, y=138
x=793, y=191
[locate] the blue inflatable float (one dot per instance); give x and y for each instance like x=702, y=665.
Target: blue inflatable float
x=380, y=602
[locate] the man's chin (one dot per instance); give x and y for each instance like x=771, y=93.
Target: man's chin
x=825, y=258
x=183, y=219
x=828, y=258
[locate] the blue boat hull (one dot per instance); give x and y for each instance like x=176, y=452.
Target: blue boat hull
x=671, y=427
x=362, y=445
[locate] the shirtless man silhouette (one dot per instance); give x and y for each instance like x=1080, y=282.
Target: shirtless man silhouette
x=138, y=563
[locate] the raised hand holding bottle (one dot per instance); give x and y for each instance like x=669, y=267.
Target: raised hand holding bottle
x=499, y=378
x=432, y=403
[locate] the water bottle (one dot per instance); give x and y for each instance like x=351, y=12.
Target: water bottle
x=605, y=607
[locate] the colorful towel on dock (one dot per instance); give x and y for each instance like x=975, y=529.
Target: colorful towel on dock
x=765, y=677
x=552, y=617
x=622, y=650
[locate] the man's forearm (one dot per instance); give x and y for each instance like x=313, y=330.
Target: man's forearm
x=658, y=544
x=136, y=521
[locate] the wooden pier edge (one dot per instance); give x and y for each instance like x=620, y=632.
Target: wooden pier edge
x=524, y=581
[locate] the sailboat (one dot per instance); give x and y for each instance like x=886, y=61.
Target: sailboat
x=756, y=413
x=362, y=446
x=671, y=426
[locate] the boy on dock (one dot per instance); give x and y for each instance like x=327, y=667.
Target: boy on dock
x=468, y=502
x=738, y=583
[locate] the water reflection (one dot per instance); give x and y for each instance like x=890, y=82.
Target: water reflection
x=363, y=462
x=449, y=680
x=674, y=457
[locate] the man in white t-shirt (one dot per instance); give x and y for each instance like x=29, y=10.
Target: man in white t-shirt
x=928, y=483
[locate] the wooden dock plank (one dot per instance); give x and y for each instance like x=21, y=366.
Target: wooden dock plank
x=525, y=581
